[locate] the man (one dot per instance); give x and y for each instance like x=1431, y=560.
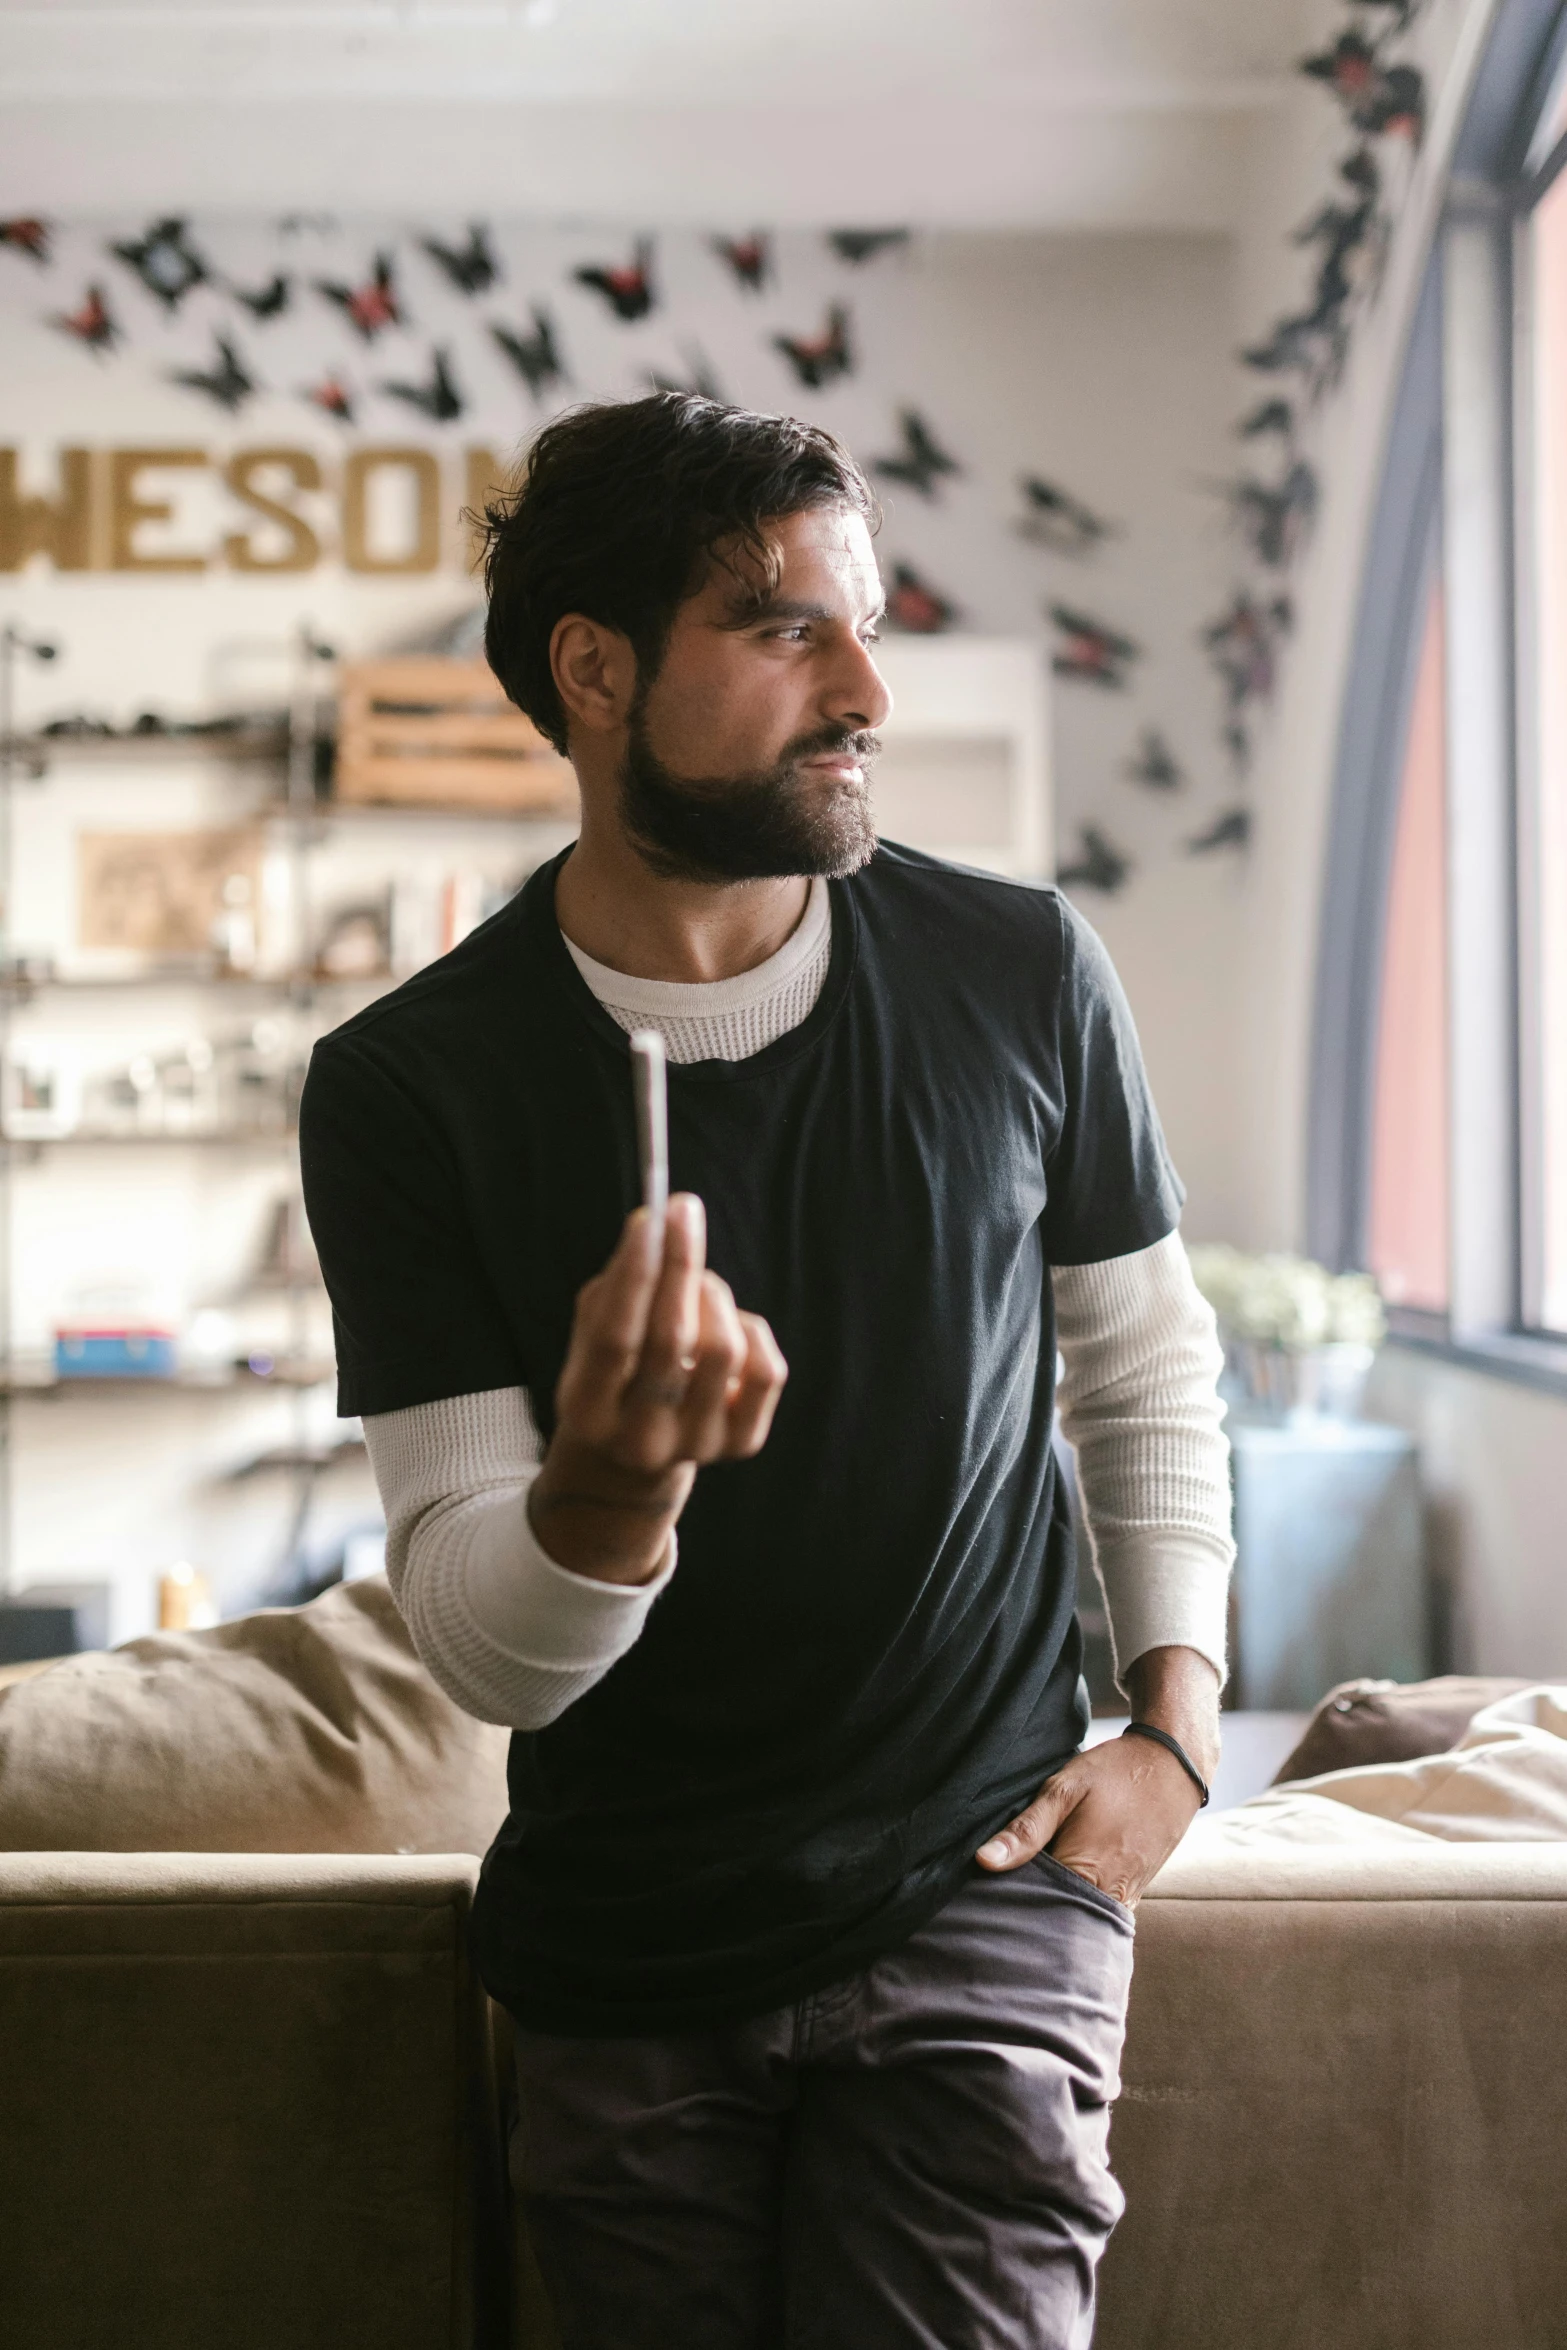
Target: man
x=815, y=1923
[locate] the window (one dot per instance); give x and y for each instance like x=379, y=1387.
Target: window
x=1439, y=1130
x=1407, y=1240
x=1543, y=777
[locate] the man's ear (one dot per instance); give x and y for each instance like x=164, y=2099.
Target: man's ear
x=595, y=673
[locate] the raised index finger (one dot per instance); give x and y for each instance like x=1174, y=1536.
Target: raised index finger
x=610, y=1326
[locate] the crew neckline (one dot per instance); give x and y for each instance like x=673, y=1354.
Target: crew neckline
x=686, y=998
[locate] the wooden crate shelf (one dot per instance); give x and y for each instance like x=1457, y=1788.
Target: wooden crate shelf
x=423, y=731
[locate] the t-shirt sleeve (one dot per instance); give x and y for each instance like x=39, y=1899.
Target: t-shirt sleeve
x=1111, y=1185
x=413, y=1316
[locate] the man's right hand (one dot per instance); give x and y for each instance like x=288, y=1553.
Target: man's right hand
x=663, y=1373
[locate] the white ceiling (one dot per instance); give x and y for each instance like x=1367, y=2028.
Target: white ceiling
x=968, y=112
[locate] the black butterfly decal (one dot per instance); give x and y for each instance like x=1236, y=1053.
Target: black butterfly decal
x=1274, y=518
x=1053, y=518
x=268, y=301
x=1098, y=864
x=472, y=268
x=627, y=287
x=913, y=604
x=1379, y=99
x=226, y=383
x=92, y=323
x=27, y=236
x=921, y=461
x=1089, y=650
x=1273, y=416
x=699, y=381
x=819, y=360
x=750, y=258
x=369, y=307
x=1154, y=764
x=536, y=356
x=1232, y=830
x=165, y=260
x=438, y=397
x=333, y=397
x=863, y=244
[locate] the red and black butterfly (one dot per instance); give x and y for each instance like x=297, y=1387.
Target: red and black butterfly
x=819, y=360
x=1243, y=645
x=27, y=236
x=536, y=356
x=369, y=307
x=333, y=397
x=626, y=286
x=227, y=383
x=438, y=397
x=165, y=260
x=1097, y=865
x=863, y=244
x=472, y=268
x=93, y=323
x=913, y=604
x=268, y=301
x=751, y=259
x=921, y=461
x=1089, y=650
x=1053, y=518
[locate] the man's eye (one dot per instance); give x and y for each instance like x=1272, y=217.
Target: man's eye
x=872, y=636
x=795, y=635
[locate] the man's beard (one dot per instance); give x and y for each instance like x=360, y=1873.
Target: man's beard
x=755, y=827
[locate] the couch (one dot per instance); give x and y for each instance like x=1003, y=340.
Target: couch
x=255, y=2096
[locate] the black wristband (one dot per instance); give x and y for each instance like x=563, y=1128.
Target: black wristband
x=1171, y=1746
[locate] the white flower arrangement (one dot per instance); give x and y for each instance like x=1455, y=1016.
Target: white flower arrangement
x=1287, y=1302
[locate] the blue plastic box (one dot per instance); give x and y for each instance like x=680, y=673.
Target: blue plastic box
x=114, y=1354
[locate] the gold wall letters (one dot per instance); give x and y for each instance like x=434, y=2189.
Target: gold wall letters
x=302, y=550
x=425, y=552
x=60, y=528
x=127, y=511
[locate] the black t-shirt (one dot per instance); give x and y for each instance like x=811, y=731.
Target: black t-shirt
x=867, y=1658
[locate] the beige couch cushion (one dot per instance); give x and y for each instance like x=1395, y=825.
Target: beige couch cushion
x=248, y=2105
x=312, y=1729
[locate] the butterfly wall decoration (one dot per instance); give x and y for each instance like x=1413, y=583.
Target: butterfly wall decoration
x=92, y=323
x=165, y=260
x=471, y=267
x=921, y=462
x=268, y=301
x=857, y=245
x=1098, y=864
x=627, y=286
x=1089, y=651
x=750, y=259
x=1053, y=518
x=371, y=306
x=1231, y=830
x=437, y=397
x=534, y=354
x=27, y=236
x=227, y=383
x=820, y=359
x=914, y=605
x=1153, y=764
x=333, y=397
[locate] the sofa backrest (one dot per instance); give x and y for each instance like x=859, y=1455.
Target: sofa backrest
x=312, y=1729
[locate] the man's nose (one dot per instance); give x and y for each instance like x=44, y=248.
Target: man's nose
x=859, y=695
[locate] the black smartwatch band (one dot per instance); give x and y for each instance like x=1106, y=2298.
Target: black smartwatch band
x=1171, y=1746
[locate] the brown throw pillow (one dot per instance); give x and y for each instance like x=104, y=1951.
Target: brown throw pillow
x=1363, y=1722
x=312, y=1729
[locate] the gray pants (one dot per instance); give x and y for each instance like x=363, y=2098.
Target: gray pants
x=912, y=2159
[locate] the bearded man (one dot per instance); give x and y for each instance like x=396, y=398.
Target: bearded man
x=814, y=1918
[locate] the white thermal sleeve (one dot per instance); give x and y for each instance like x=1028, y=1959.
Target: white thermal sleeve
x=509, y=1635
x=1139, y=1403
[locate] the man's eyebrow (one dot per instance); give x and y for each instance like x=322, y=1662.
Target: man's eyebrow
x=749, y=614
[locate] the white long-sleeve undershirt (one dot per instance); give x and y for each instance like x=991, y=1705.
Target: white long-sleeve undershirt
x=514, y=1638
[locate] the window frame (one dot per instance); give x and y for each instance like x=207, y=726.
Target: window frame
x=1454, y=492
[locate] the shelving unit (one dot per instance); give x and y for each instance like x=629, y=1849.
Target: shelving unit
x=271, y=1435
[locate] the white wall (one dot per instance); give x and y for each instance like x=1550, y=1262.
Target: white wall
x=1098, y=361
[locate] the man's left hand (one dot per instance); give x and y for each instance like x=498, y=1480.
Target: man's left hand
x=1115, y=1813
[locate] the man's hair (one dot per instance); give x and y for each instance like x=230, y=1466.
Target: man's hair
x=619, y=509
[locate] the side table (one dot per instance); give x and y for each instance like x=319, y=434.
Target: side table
x=1329, y=1570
